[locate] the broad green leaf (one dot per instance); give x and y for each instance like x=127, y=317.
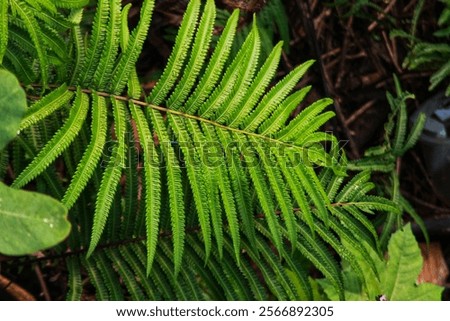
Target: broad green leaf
x=30, y=221
x=13, y=103
x=403, y=268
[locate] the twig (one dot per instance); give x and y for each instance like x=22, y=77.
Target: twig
x=392, y=51
x=438, y=209
x=42, y=283
x=386, y=10
x=345, y=45
x=360, y=112
x=14, y=290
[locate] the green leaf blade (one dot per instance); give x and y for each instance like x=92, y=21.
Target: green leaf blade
x=30, y=221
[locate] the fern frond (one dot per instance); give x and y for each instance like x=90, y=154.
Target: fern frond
x=258, y=86
x=96, y=43
x=111, y=177
x=152, y=183
x=215, y=66
x=346, y=252
x=126, y=274
x=226, y=193
x=297, y=192
x=34, y=30
x=369, y=203
x=110, y=277
x=110, y=48
x=312, y=186
x=79, y=50
x=17, y=60
x=54, y=20
x=128, y=59
x=264, y=196
x=60, y=141
x=197, y=54
x=281, y=115
x=93, y=152
x=46, y=106
x=240, y=184
x=179, y=53
x=55, y=43
x=3, y=29
x=225, y=89
x=74, y=284
x=279, y=271
x=301, y=275
x=195, y=174
x=278, y=186
x=414, y=135
x=49, y=175
x=173, y=170
x=273, y=98
x=129, y=253
x=243, y=81
x=95, y=277
x=315, y=251
x=71, y=4
x=301, y=122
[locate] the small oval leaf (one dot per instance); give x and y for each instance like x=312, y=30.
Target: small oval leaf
x=30, y=221
x=13, y=103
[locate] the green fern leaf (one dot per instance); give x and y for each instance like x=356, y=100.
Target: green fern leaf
x=96, y=43
x=312, y=186
x=60, y=141
x=80, y=53
x=273, y=98
x=215, y=66
x=226, y=193
x=179, y=53
x=129, y=253
x=110, y=277
x=71, y=4
x=243, y=81
x=274, y=263
x=314, y=251
x=3, y=29
x=299, y=123
x=74, y=284
x=111, y=177
x=281, y=115
x=128, y=59
x=264, y=197
x=173, y=171
x=97, y=280
x=110, y=48
x=297, y=191
x=195, y=171
x=126, y=274
x=46, y=106
x=152, y=183
x=198, y=54
x=258, y=86
x=278, y=186
x=34, y=30
x=93, y=152
x=226, y=87
x=240, y=184
x=16, y=60
x=414, y=135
